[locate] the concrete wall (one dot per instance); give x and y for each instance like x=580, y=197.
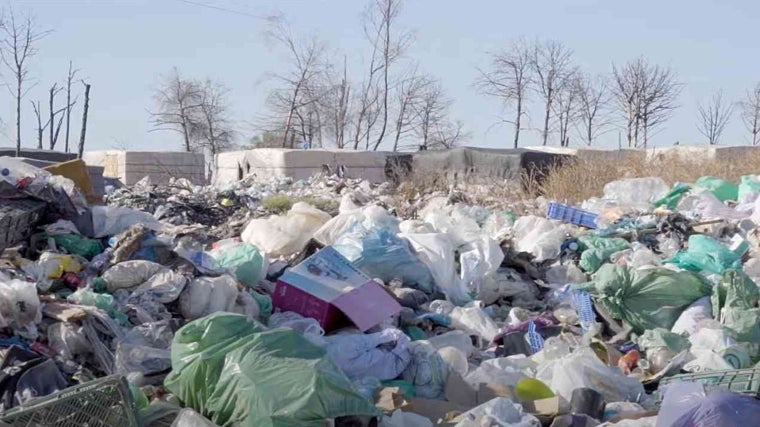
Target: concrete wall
x=299, y=164
x=702, y=153
x=132, y=166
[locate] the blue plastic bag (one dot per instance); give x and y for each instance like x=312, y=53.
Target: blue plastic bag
x=380, y=253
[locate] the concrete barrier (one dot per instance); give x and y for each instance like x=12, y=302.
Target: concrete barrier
x=132, y=166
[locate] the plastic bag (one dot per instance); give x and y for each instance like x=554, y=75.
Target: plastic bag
x=749, y=189
x=364, y=355
x=734, y=304
x=207, y=295
x=636, y=194
x=67, y=340
x=189, y=418
x=647, y=299
x=582, y=368
x=303, y=325
x=20, y=306
x=243, y=260
x=112, y=220
x=457, y=339
x=479, y=259
x=426, y=370
x=233, y=370
x=688, y=404
x=405, y=419
x=671, y=200
x=470, y=319
x=499, y=411
x=130, y=274
x=437, y=252
x=78, y=245
x=283, y=236
x=540, y=237
x=381, y=254
x=705, y=253
x=722, y=189
x=503, y=370
x=597, y=250
x=689, y=320
x=659, y=338
x=145, y=349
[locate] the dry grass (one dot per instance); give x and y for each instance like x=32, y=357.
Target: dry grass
x=583, y=178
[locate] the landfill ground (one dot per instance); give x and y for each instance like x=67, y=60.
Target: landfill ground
x=337, y=302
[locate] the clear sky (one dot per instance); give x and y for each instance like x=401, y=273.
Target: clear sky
x=123, y=46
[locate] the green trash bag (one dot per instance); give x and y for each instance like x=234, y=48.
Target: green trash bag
x=247, y=262
x=749, y=188
x=597, y=250
x=646, y=299
x=734, y=304
x=722, y=189
x=265, y=305
x=705, y=253
x=235, y=371
x=78, y=245
x=670, y=201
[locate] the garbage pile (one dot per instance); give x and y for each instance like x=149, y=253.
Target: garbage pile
x=195, y=306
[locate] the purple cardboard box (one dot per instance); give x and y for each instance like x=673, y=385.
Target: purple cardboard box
x=327, y=287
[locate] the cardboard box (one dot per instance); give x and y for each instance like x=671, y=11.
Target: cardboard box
x=327, y=287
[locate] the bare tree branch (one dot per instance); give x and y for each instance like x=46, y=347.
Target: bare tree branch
x=750, y=106
x=551, y=64
x=714, y=117
x=593, y=101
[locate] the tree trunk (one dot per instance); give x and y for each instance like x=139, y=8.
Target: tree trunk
x=546, y=120
x=68, y=107
x=84, y=119
x=517, y=122
x=18, y=118
x=52, y=117
x=185, y=134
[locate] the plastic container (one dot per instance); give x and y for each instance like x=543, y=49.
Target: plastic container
x=104, y=402
x=572, y=215
x=744, y=381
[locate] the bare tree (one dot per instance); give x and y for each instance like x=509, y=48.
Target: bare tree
x=297, y=87
x=177, y=103
x=215, y=133
x=17, y=46
x=551, y=64
x=335, y=105
x=69, y=104
x=714, y=117
x=85, y=111
x=646, y=95
x=508, y=79
x=40, y=127
x=751, y=113
x=448, y=134
x=566, y=107
x=593, y=99
x=409, y=95
x=55, y=128
x=431, y=111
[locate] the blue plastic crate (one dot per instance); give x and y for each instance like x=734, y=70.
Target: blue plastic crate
x=572, y=215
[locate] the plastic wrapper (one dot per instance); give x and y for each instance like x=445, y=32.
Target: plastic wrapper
x=145, y=349
x=206, y=295
x=282, y=236
x=234, y=371
x=365, y=355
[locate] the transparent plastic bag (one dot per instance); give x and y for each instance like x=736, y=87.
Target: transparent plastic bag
x=145, y=349
x=19, y=304
x=206, y=295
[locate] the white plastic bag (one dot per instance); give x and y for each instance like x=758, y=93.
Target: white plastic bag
x=688, y=321
x=330, y=231
x=112, y=220
x=582, y=368
x=636, y=194
x=415, y=226
x=427, y=370
x=502, y=370
x=360, y=355
x=437, y=252
x=189, y=418
x=478, y=259
x=19, y=305
x=540, y=237
x=500, y=412
x=129, y=274
x=296, y=322
x=283, y=236
x=206, y=295
x=455, y=338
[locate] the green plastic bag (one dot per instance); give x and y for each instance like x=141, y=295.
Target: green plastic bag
x=597, y=250
x=265, y=305
x=245, y=260
x=646, y=299
x=78, y=245
x=659, y=337
x=722, y=189
x=235, y=371
x=749, y=188
x=734, y=303
x=705, y=253
x=670, y=201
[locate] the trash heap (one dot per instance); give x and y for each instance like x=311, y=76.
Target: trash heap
x=185, y=306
